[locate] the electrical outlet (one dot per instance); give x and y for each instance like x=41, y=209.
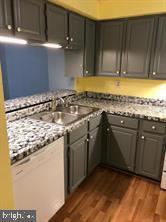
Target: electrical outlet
x=117, y=83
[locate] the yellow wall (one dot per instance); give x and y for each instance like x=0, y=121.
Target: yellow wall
x=125, y=8
x=89, y=8
x=130, y=87
x=108, y=9
x=6, y=200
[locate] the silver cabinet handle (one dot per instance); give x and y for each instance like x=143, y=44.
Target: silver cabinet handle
x=142, y=137
x=67, y=38
x=87, y=140
x=108, y=129
x=9, y=27
x=122, y=121
x=18, y=29
x=154, y=73
x=124, y=72
x=117, y=71
x=153, y=127
x=71, y=39
x=86, y=72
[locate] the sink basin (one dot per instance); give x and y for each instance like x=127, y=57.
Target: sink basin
x=78, y=110
x=57, y=117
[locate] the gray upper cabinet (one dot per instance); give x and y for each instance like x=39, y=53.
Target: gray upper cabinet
x=29, y=17
x=109, y=47
x=94, y=151
x=57, y=25
x=150, y=155
x=76, y=31
x=121, y=147
x=6, y=23
x=136, y=56
x=89, y=53
x=158, y=64
x=77, y=163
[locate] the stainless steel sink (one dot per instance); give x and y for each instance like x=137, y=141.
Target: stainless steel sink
x=57, y=117
x=77, y=110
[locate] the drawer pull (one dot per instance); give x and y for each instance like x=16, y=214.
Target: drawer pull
x=154, y=73
x=122, y=121
x=108, y=129
x=142, y=137
x=18, y=29
x=9, y=27
x=67, y=38
x=153, y=127
x=87, y=140
x=71, y=39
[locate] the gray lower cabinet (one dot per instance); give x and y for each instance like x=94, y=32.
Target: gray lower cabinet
x=158, y=64
x=94, y=149
x=29, y=18
x=136, y=56
x=150, y=155
x=121, y=147
x=6, y=23
x=77, y=162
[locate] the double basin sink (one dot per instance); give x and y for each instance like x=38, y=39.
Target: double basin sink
x=64, y=115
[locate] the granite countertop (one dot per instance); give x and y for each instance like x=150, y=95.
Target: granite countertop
x=156, y=113
x=22, y=102
x=29, y=135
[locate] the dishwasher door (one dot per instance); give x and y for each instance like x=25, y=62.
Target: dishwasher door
x=38, y=181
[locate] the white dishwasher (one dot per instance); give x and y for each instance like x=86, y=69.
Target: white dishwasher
x=38, y=181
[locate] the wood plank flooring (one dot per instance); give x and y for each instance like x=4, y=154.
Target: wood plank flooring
x=110, y=196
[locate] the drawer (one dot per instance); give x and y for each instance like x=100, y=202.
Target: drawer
x=122, y=121
x=78, y=133
x=94, y=122
x=153, y=127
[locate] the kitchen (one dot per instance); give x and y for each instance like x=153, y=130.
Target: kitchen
x=83, y=109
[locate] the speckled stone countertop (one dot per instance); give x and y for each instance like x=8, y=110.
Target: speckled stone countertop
x=22, y=102
x=156, y=113
x=29, y=135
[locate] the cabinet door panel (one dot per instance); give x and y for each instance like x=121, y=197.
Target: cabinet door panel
x=78, y=162
x=94, y=152
x=89, y=54
x=57, y=24
x=30, y=19
x=121, y=147
x=136, y=58
x=150, y=156
x=110, y=48
x=6, y=24
x=158, y=65
x=76, y=31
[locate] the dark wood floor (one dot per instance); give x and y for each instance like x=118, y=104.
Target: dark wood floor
x=109, y=196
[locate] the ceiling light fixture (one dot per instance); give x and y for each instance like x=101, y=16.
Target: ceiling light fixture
x=52, y=45
x=13, y=40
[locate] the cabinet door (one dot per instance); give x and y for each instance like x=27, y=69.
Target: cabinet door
x=109, y=47
x=150, y=155
x=6, y=24
x=57, y=24
x=76, y=31
x=89, y=53
x=78, y=162
x=121, y=148
x=30, y=19
x=136, y=57
x=158, y=65
x=94, y=151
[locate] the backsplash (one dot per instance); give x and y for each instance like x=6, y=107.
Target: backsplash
x=154, y=89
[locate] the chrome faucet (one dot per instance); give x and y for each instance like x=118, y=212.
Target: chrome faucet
x=54, y=104
x=63, y=101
